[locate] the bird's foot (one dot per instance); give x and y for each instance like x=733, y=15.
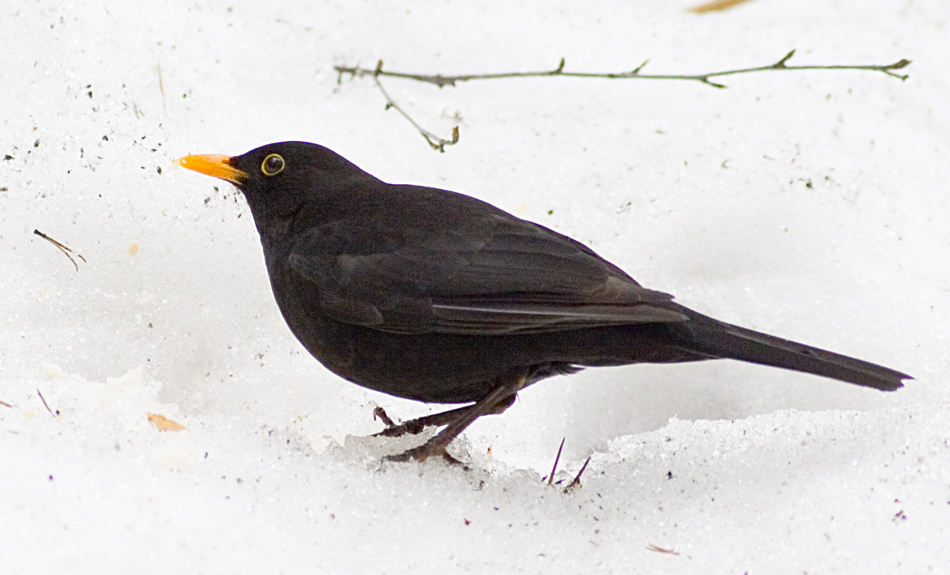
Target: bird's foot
x=424, y=452
x=380, y=413
x=413, y=427
x=455, y=422
x=417, y=426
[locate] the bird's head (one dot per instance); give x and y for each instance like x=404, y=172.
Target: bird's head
x=277, y=179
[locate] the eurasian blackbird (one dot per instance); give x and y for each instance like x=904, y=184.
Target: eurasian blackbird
x=435, y=296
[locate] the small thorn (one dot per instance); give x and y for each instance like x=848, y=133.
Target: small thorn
x=577, y=480
x=556, y=459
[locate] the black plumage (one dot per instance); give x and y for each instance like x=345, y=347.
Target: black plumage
x=439, y=297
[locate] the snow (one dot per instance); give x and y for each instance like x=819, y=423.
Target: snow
x=811, y=205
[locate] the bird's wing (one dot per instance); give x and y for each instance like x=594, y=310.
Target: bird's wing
x=494, y=275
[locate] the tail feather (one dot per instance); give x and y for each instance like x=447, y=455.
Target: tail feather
x=722, y=340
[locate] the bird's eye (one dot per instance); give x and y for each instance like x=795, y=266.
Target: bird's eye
x=273, y=165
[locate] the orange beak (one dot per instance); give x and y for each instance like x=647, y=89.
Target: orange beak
x=214, y=165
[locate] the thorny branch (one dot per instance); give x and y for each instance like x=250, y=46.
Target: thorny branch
x=441, y=81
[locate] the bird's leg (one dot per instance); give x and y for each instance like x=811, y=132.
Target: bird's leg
x=415, y=426
x=497, y=401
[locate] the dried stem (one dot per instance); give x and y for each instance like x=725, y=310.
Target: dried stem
x=557, y=458
x=435, y=142
x=61, y=247
x=652, y=547
x=715, y=6
x=441, y=81
x=46, y=405
x=577, y=479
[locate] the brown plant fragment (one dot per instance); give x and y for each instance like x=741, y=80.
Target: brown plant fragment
x=163, y=423
x=716, y=6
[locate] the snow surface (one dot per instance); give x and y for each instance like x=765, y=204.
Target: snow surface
x=812, y=205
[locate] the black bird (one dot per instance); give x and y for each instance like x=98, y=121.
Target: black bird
x=435, y=296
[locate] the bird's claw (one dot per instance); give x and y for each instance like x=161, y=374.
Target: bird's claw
x=424, y=452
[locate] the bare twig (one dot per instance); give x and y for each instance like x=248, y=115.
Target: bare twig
x=434, y=141
x=441, y=81
x=5, y=404
x=557, y=458
x=61, y=247
x=46, y=405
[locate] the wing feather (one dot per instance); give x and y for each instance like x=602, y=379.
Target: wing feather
x=497, y=275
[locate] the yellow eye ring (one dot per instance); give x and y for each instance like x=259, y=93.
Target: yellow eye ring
x=273, y=164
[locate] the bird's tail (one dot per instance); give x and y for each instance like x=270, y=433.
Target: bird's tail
x=717, y=339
